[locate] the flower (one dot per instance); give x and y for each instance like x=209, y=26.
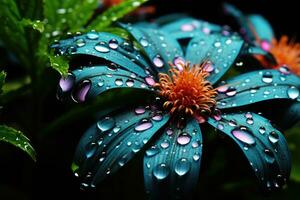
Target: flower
x=182, y=96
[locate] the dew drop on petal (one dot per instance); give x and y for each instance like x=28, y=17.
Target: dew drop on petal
x=150, y=81
x=293, y=92
x=158, y=62
x=243, y=135
x=182, y=167
x=152, y=151
x=161, y=171
x=90, y=149
x=139, y=110
x=106, y=124
x=184, y=138
x=79, y=95
x=113, y=44
x=66, y=83
x=267, y=77
x=273, y=137
x=92, y=35
x=143, y=125
x=101, y=48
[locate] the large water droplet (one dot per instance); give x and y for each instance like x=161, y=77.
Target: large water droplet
x=139, y=110
x=284, y=70
x=182, y=167
x=231, y=91
x=143, y=125
x=144, y=42
x=80, y=42
x=165, y=144
x=184, y=138
x=150, y=81
x=243, y=135
x=152, y=151
x=113, y=44
x=273, y=137
x=66, y=83
x=119, y=82
x=129, y=82
x=161, y=171
x=158, y=62
x=267, y=77
x=101, y=48
x=90, y=149
x=269, y=156
x=92, y=35
x=293, y=92
x=106, y=124
x=79, y=95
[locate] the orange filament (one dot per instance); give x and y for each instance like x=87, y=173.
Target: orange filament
x=187, y=90
x=286, y=52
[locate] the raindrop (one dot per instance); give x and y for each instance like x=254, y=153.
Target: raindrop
x=249, y=121
x=90, y=149
x=184, y=138
x=179, y=62
x=209, y=67
x=262, y=130
x=129, y=82
x=66, y=84
x=152, y=151
x=231, y=91
x=161, y=171
x=269, y=156
x=116, y=129
x=119, y=82
x=267, y=77
x=232, y=123
x=217, y=44
x=196, y=144
x=144, y=42
x=80, y=42
x=182, y=167
x=157, y=117
x=243, y=135
x=284, y=70
x=169, y=131
x=79, y=95
x=150, y=81
x=92, y=35
x=157, y=61
x=165, y=144
x=293, y=92
x=187, y=27
x=113, y=44
x=273, y=137
x=196, y=157
x=101, y=48
x=143, y=125
x=139, y=110
x=106, y=124
x=222, y=89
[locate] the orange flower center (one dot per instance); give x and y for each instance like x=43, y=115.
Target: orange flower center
x=186, y=90
x=287, y=52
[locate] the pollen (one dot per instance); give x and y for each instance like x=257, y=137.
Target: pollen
x=286, y=53
x=186, y=90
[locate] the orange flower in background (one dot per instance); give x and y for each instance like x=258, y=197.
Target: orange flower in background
x=286, y=52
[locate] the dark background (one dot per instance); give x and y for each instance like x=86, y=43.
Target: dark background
x=224, y=173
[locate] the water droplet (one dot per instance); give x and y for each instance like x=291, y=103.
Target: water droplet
x=129, y=82
x=106, y=124
x=249, y=121
x=196, y=144
x=158, y=62
x=161, y=171
x=66, y=83
x=150, y=81
x=92, y=35
x=139, y=110
x=119, y=82
x=101, y=48
x=273, y=137
x=187, y=27
x=269, y=156
x=113, y=44
x=267, y=77
x=184, y=138
x=165, y=144
x=143, y=125
x=232, y=123
x=152, y=151
x=284, y=70
x=157, y=117
x=90, y=149
x=80, y=42
x=179, y=62
x=222, y=89
x=209, y=67
x=231, y=91
x=196, y=157
x=293, y=92
x=243, y=135
x=144, y=42
x=79, y=95
x=217, y=44
x=262, y=130
x=170, y=131
x=182, y=167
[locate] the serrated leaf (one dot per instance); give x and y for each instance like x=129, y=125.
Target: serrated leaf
x=36, y=24
x=60, y=64
x=18, y=139
x=114, y=13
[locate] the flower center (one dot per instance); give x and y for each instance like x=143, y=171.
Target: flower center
x=187, y=90
x=286, y=53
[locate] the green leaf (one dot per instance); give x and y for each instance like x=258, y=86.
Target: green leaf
x=2, y=80
x=293, y=138
x=60, y=64
x=114, y=13
x=11, y=31
x=18, y=139
x=36, y=25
